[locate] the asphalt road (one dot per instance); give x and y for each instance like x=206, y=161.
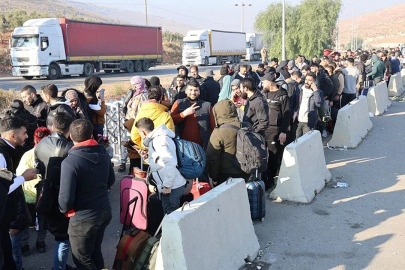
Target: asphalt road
x=17, y=83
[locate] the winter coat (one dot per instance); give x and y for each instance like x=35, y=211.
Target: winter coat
x=6, y=178
x=86, y=176
x=23, y=219
x=315, y=101
x=210, y=90
x=395, y=65
x=61, y=106
x=324, y=82
x=175, y=93
x=28, y=162
x=257, y=112
x=338, y=79
x=162, y=157
x=222, y=146
x=279, y=111
x=361, y=67
x=97, y=109
x=39, y=109
x=387, y=64
x=157, y=113
x=378, y=69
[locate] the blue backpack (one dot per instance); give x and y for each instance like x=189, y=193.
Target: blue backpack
x=190, y=158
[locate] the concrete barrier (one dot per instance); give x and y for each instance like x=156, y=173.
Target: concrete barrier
x=395, y=87
x=303, y=171
x=377, y=99
x=214, y=231
x=352, y=124
x=403, y=76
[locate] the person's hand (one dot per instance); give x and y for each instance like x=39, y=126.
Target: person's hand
x=282, y=138
x=295, y=115
x=314, y=87
x=190, y=110
x=166, y=190
x=143, y=153
x=100, y=94
x=13, y=232
x=30, y=174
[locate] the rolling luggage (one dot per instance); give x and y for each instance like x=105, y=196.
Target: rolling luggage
x=366, y=85
x=257, y=199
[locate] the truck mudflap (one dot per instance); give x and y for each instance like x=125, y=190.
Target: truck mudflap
x=30, y=71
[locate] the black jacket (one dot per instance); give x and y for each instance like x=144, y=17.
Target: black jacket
x=23, y=218
x=388, y=68
x=257, y=112
x=49, y=153
x=210, y=91
x=175, y=94
x=324, y=82
x=279, y=111
x=6, y=179
x=39, y=109
x=59, y=107
x=86, y=176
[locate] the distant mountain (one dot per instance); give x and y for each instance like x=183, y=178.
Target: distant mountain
x=382, y=28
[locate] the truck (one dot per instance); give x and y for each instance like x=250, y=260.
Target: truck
x=254, y=43
x=57, y=47
x=213, y=47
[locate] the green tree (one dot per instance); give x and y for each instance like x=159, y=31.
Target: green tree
x=172, y=37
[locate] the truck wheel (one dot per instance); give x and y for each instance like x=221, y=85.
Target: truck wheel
x=206, y=62
x=53, y=72
x=145, y=65
x=138, y=66
x=88, y=70
x=28, y=77
x=130, y=67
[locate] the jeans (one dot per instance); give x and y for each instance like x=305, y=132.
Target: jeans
x=171, y=201
x=17, y=254
x=86, y=237
x=60, y=255
x=124, y=151
x=98, y=129
x=302, y=129
x=41, y=234
x=6, y=248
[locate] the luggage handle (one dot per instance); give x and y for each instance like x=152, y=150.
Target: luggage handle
x=134, y=200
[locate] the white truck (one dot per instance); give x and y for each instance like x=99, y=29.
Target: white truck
x=213, y=47
x=254, y=43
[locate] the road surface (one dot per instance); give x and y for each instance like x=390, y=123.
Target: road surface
x=17, y=83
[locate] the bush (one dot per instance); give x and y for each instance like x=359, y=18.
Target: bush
x=6, y=97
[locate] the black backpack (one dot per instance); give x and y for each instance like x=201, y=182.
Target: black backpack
x=251, y=151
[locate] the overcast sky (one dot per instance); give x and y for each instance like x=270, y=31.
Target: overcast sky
x=223, y=14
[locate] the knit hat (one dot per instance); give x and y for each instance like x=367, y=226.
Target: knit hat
x=71, y=94
x=235, y=82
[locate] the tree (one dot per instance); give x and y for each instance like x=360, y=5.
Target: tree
x=172, y=37
x=309, y=26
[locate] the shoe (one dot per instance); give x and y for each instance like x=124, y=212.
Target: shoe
x=25, y=250
x=41, y=247
x=122, y=167
x=324, y=134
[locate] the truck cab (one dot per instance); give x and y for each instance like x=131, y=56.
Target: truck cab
x=34, y=46
x=196, y=48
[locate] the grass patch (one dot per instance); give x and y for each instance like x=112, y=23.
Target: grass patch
x=6, y=97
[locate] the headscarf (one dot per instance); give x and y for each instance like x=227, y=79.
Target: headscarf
x=71, y=94
x=226, y=90
x=139, y=84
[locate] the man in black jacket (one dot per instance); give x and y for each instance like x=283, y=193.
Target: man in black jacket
x=13, y=134
x=256, y=108
x=279, y=121
x=194, y=74
x=49, y=153
x=210, y=88
x=34, y=104
x=86, y=176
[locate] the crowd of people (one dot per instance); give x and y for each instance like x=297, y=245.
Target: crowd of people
x=55, y=144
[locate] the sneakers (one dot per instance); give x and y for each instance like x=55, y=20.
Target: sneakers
x=25, y=250
x=41, y=247
x=324, y=134
x=122, y=167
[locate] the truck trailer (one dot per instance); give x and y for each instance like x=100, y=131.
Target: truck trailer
x=213, y=47
x=55, y=47
x=254, y=43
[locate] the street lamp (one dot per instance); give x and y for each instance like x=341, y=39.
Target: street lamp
x=242, y=5
x=146, y=12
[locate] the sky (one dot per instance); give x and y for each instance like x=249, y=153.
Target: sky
x=223, y=14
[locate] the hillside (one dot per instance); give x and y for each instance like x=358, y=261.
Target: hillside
x=383, y=28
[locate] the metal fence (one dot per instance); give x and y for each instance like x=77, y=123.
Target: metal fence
x=114, y=126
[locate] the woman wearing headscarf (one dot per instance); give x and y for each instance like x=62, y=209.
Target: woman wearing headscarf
x=138, y=95
x=226, y=91
x=78, y=102
x=95, y=100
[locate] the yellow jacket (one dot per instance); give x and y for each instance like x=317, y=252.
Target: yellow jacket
x=157, y=113
x=28, y=162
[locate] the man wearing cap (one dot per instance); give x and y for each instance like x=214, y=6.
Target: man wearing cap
x=210, y=88
x=181, y=70
x=279, y=121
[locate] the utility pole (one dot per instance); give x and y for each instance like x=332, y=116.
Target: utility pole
x=242, y=5
x=146, y=12
x=283, y=36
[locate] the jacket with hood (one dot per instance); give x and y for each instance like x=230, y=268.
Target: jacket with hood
x=60, y=106
x=86, y=176
x=162, y=157
x=279, y=111
x=257, y=112
x=315, y=101
x=222, y=146
x=39, y=109
x=157, y=113
x=378, y=69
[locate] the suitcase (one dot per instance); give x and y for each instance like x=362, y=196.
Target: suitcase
x=366, y=85
x=134, y=188
x=257, y=199
x=199, y=188
x=131, y=245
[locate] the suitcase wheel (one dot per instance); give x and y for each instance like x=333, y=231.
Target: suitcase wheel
x=262, y=219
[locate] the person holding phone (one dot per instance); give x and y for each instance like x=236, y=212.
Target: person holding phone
x=96, y=101
x=310, y=100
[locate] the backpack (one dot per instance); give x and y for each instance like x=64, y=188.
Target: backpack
x=190, y=158
x=251, y=150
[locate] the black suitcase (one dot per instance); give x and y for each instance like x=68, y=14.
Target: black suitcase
x=257, y=199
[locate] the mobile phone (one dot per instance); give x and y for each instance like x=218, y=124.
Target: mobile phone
x=101, y=93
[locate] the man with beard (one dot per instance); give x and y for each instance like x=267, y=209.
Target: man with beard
x=179, y=91
x=193, y=117
x=256, y=108
x=34, y=104
x=183, y=71
x=195, y=74
x=13, y=134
